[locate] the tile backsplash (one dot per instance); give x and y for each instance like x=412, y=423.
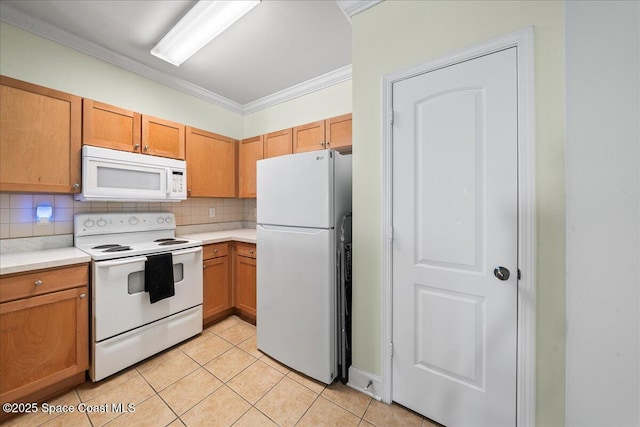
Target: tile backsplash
x=18, y=212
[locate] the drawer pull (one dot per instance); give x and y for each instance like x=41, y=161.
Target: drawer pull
x=82, y=296
x=38, y=282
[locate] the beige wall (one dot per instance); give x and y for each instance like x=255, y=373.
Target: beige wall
x=31, y=58
x=397, y=34
x=329, y=102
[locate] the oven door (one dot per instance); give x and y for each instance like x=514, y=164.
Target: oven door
x=120, y=303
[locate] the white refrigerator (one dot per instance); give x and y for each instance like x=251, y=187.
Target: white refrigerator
x=302, y=199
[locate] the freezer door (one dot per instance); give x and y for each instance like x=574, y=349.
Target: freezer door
x=296, y=291
x=296, y=190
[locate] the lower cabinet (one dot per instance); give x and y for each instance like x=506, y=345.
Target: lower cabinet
x=229, y=281
x=216, y=276
x=44, y=332
x=245, y=280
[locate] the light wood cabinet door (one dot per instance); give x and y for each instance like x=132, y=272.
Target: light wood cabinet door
x=217, y=287
x=163, y=138
x=250, y=151
x=43, y=341
x=278, y=143
x=338, y=132
x=309, y=137
x=245, y=281
x=106, y=126
x=211, y=164
x=40, y=138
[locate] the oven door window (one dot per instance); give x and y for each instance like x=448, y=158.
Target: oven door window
x=135, y=282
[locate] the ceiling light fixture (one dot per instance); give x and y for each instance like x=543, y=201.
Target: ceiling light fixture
x=204, y=22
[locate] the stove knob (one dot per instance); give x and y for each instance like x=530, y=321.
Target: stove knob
x=101, y=222
x=168, y=220
x=89, y=223
x=133, y=220
x=160, y=220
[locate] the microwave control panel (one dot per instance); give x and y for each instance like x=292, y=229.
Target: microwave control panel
x=178, y=182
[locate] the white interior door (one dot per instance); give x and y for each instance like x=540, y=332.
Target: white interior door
x=455, y=222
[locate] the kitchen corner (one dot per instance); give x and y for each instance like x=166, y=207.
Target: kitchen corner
x=246, y=235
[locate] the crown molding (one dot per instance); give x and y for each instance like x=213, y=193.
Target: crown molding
x=318, y=83
x=17, y=18
x=353, y=7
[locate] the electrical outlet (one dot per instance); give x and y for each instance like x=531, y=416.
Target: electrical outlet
x=212, y=212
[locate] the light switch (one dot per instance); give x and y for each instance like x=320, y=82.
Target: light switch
x=212, y=212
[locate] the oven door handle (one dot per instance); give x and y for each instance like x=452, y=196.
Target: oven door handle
x=188, y=251
x=107, y=264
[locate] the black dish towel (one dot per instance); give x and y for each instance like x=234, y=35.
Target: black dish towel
x=158, y=277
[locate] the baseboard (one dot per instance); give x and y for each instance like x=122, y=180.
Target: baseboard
x=358, y=380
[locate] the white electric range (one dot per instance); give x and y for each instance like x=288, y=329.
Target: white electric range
x=125, y=326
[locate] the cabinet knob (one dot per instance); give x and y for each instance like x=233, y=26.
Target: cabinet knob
x=204, y=266
x=38, y=282
x=136, y=146
x=146, y=148
x=83, y=296
x=250, y=251
x=215, y=251
x=321, y=143
x=75, y=186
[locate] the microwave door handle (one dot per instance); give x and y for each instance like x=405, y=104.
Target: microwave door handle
x=168, y=183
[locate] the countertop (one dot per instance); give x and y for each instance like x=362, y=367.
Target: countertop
x=45, y=258
x=247, y=235
x=49, y=258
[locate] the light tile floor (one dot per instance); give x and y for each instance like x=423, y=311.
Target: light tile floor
x=218, y=378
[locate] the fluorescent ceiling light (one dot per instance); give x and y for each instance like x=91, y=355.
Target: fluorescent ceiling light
x=204, y=22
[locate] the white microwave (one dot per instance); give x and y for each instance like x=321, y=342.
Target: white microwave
x=112, y=175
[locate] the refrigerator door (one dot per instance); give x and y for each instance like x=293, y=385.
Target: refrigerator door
x=296, y=190
x=296, y=317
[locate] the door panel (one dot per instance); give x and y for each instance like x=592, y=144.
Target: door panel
x=296, y=290
x=448, y=187
x=455, y=220
x=295, y=190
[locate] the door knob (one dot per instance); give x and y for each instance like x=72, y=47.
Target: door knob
x=501, y=273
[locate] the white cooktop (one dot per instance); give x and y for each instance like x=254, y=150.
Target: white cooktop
x=116, y=235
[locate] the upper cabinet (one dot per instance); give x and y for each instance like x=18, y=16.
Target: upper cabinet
x=163, y=138
x=211, y=164
x=338, y=133
x=309, y=137
x=278, y=143
x=251, y=150
x=330, y=133
x=40, y=139
x=107, y=126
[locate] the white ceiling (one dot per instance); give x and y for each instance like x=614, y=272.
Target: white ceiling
x=279, y=50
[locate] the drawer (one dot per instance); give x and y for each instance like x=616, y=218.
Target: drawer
x=246, y=249
x=43, y=282
x=214, y=251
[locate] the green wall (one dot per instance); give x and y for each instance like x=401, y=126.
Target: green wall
x=329, y=102
x=31, y=58
x=397, y=34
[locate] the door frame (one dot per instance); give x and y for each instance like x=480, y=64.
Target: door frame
x=523, y=40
